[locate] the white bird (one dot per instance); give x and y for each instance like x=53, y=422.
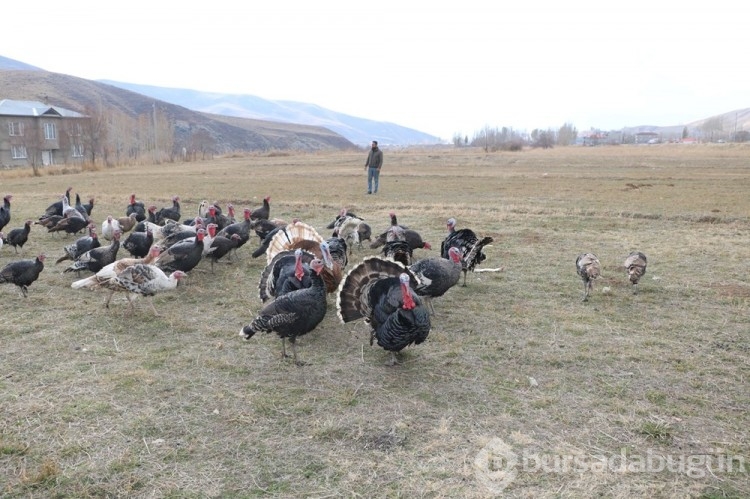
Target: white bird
x=109, y=227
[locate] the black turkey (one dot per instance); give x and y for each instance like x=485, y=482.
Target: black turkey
x=136, y=207
x=468, y=243
x=5, y=211
x=56, y=208
x=80, y=245
x=222, y=246
x=22, y=273
x=263, y=212
x=589, y=268
x=380, y=292
x=95, y=259
x=184, y=255
x=169, y=213
x=293, y=314
x=635, y=264
x=70, y=225
x=396, y=248
x=19, y=236
x=138, y=243
x=437, y=275
x=288, y=271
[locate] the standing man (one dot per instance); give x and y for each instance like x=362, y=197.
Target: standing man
x=373, y=164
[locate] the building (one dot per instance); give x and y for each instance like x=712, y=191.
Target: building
x=35, y=134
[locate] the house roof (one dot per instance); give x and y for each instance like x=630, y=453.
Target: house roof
x=34, y=108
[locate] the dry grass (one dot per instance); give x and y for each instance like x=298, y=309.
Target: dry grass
x=95, y=403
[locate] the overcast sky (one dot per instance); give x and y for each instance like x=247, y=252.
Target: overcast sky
x=438, y=67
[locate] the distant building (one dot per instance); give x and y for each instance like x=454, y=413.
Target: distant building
x=646, y=138
x=35, y=134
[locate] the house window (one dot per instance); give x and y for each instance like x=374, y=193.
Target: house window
x=50, y=133
x=18, y=152
x=77, y=150
x=76, y=130
x=15, y=128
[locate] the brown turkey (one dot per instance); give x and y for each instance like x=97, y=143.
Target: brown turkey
x=589, y=268
x=635, y=264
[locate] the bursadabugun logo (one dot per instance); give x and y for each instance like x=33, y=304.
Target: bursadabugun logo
x=495, y=465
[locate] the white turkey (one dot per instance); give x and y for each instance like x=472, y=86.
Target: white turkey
x=293, y=314
x=589, y=268
x=635, y=264
x=468, y=243
x=381, y=292
x=353, y=230
x=109, y=227
x=144, y=280
x=111, y=271
x=437, y=275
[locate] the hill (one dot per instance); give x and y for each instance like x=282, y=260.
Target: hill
x=358, y=130
x=230, y=135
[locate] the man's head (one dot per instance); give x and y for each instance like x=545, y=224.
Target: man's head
x=374, y=144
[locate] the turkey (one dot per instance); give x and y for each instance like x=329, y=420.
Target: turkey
x=436, y=276
x=222, y=246
x=56, y=208
x=18, y=237
x=48, y=221
x=5, y=211
x=184, y=255
x=468, y=243
x=70, y=225
x=111, y=271
x=89, y=207
x=411, y=236
x=109, y=227
x=95, y=259
x=127, y=223
x=144, y=280
x=353, y=230
x=341, y=215
x=264, y=212
x=288, y=271
x=266, y=230
x=380, y=292
x=293, y=236
x=139, y=243
x=22, y=273
x=80, y=246
x=69, y=211
x=635, y=264
x=225, y=220
x=242, y=229
x=81, y=208
x=396, y=248
x=589, y=268
x=136, y=207
x=293, y=314
x=150, y=219
x=169, y=213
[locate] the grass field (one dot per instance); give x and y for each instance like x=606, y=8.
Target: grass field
x=521, y=389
